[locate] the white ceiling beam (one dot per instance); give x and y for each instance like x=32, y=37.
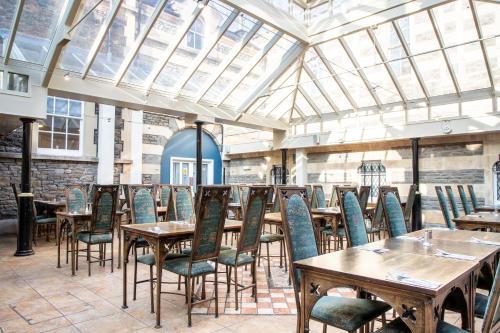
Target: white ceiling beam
x=13, y=30
x=320, y=87
x=278, y=103
x=196, y=63
x=101, y=35
x=297, y=80
x=270, y=15
x=228, y=59
x=332, y=29
x=61, y=38
x=443, y=51
x=246, y=70
x=129, y=57
x=310, y=101
x=174, y=43
x=299, y=112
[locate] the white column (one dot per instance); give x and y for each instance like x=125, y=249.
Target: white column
x=301, y=167
x=106, y=144
x=136, y=147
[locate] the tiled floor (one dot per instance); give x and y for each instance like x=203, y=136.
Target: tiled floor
x=35, y=296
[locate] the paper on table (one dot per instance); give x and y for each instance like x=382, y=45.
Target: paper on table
x=485, y=242
x=413, y=238
x=378, y=250
x=406, y=279
x=444, y=254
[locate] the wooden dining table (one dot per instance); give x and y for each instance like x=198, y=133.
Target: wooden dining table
x=420, y=307
x=51, y=206
x=161, y=237
x=482, y=220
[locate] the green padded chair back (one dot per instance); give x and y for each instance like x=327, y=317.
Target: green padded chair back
x=235, y=194
x=104, y=208
x=393, y=214
x=183, y=202
x=210, y=219
x=473, y=198
x=270, y=195
x=277, y=202
x=453, y=202
x=165, y=192
x=244, y=198
x=253, y=219
x=76, y=199
x=143, y=204
x=309, y=190
x=364, y=193
x=443, y=203
x=353, y=217
x=318, y=197
x=465, y=202
x=491, y=322
x=90, y=193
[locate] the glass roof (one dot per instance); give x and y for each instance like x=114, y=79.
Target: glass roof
x=218, y=56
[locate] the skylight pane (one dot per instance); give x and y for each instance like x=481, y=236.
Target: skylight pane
x=389, y=42
x=418, y=32
x=363, y=49
x=307, y=83
x=469, y=67
x=276, y=98
x=304, y=105
x=36, y=29
x=489, y=17
x=407, y=79
x=455, y=22
x=493, y=49
x=382, y=83
x=131, y=18
x=161, y=35
x=282, y=111
x=75, y=53
x=6, y=17
x=435, y=73
x=197, y=40
x=320, y=12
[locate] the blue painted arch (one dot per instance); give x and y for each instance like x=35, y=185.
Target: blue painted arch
x=183, y=144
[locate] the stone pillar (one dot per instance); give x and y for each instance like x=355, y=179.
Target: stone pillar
x=106, y=144
x=199, y=154
x=301, y=167
x=416, y=223
x=25, y=208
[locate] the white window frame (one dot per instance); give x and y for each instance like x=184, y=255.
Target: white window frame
x=5, y=82
x=64, y=152
x=192, y=164
x=195, y=34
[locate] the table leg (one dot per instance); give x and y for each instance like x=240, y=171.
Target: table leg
x=159, y=252
x=119, y=229
x=125, y=262
x=58, y=241
x=472, y=296
x=73, y=255
x=301, y=316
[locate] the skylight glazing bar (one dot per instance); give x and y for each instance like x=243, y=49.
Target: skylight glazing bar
x=167, y=54
x=320, y=87
x=413, y=64
x=479, y=31
x=360, y=71
x=299, y=111
x=309, y=100
x=382, y=56
x=229, y=59
x=299, y=72
x=13, y=30
x=100, y=37
x=278, y=104
x=139, y=41
x=247, y=69
x=330, y=69
x=445, y=54
x=201, y=57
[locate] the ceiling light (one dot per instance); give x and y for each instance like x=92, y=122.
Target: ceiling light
x=66, y=76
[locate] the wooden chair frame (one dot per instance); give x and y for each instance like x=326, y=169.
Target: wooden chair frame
x=383, y=197
x=364, y=194
x=410, y=200
x=341, y=191
x=314, y=198
x=452, y=201
x=82, y=188
x=175, y=189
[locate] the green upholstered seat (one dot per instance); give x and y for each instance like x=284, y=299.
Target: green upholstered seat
x=42, y=219
x=95, y=239
x=398, y=326
x=347, y=313
x=149, y=259
x=270, y=238
x=180, y=266
x=228, y=257
x=395, y=215
x=480, y=303
x=329, y=232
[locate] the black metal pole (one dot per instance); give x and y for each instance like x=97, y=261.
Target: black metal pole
x=199, y=157
x=283, y=165
x=416, y=222
x=25, y=209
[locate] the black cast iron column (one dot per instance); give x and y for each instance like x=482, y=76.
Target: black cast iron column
x=25, y=208
x=284, y=158
x=199, y=157
x=416, y=222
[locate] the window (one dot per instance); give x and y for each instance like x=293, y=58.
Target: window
x=60, y=132
x=372, y=174
x=195, y=35
x=183, y=171
x=18, y=82
x=496, y=183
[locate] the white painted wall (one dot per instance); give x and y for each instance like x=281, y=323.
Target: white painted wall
x=136, y=147
x=301, y=167
x=106, y=144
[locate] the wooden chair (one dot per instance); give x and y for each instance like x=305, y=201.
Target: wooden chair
x=354, y=221
x=248, y=242
x=393, y=213
x=318, y=197
x=76, y=202
x=364, y=193
x=309, y=191
x=453, y=202
x=465, y=203
x=473, y=197
x=210, y=219
x=301, y=243
x=443, y=203
x=333, y=197
x=165, y=193
x=410, y=200
x=101, y=229
x=182, y=201
x=243, y=190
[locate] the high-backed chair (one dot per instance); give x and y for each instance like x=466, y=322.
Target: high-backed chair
x=410, y=200
x=76, y=198
x=443, y=203
x=248, y=242
x=318, y=197
x=453, y=202
x=344, y=313
x=182, y=199
x=393, y=213
x=465, y=203
x=473, y=197
x=210, y=219
x=101, y=229
x=309, y=190
x=243, y=198
x=333, y=196
x=270, y=196
x=165, y=194
x=353, y=217
x=364, y=193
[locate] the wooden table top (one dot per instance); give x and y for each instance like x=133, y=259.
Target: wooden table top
x=483, y=218
x=83, y=215
x=51, y=203
x=172, y=229
x=276, y=217
x=459, y=235
x=161, y=209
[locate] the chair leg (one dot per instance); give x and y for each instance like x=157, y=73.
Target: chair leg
x=324, y=328
x=135, y=276
x=254, y=280
x=203, y=291
x=151, y=288
x=67, y=248
x=216, y=291
x=77, y=254
x=112, y=255
x=189, y=298
x=258, y=257
x=179, y=283
x=88, y=256
x=268, y=261
x=186, y=289
x=281, y=254
x=228, y=279
x=236, y=287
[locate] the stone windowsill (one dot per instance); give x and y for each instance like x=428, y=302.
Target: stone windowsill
x=51, y=157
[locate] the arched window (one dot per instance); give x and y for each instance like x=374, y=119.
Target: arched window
x=195, y=35
x=372, y=174
x=496, y=182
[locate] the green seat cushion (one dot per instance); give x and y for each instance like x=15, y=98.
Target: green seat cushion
x=348, y=314
x=40, y=219
x=228, y=257
x=480, y=305
x=187, y=250
x=149, y=259
x=329, y=232
x=271, y=238
x=95, y=238
x=180, y=266
x=398, y=326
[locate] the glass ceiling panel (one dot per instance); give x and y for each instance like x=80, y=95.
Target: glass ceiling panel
x=407, y=79
x=234, y=35
x=363, y=49
x=489, y=17
x=388, y=39
x=194, y=42
x=75, y=53
x=36, y=29
x=469, y=67
x=455, y=22
x=493, y=49
x=132, y=17
x=277, y=98
x=283, y=110
x=382, y=83
x=6, y=17
x=435, y=73
x=307, y=83
x=304, y=106
x=418, y=32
